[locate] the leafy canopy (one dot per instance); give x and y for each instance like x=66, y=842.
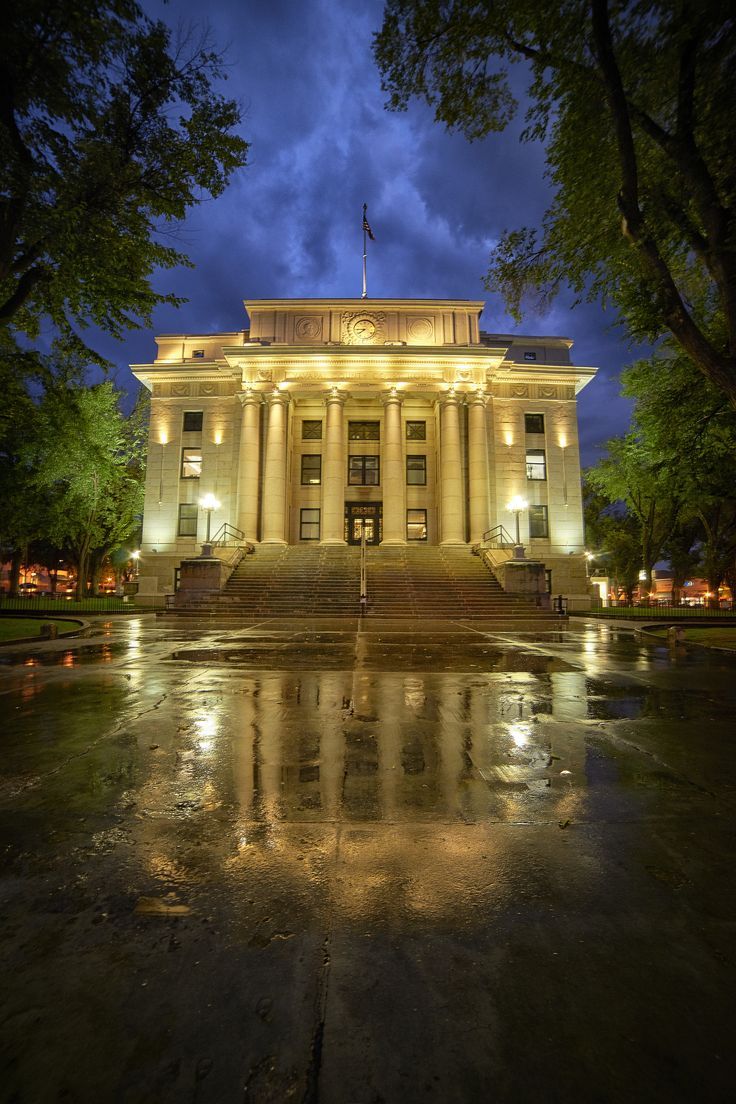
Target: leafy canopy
x=109, y=131
x=635, y=102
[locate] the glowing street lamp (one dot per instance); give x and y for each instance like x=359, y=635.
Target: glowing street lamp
x=516, y=506
x=135, y=557
x=208, y=504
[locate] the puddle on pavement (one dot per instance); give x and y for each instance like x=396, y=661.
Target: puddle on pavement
x=71, y=657
x=382, y=655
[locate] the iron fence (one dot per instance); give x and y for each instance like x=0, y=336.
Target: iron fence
x=657, y=610
x=67, y=604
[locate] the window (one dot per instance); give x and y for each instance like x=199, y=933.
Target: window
x=311, y=470
x=193, y=421
x=530, y=355
x=416, y=431
x=538, y=521
x=416, y=525
x=311, y=431
x=416, y=471
x=536, y=464
x=309, y=524
x=187, y=519
x=534, y=423
x=198, y=353
x=364, y=431
x=191, y=463
x=363, y=471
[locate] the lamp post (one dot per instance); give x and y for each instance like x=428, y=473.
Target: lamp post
x=208, y=504
x=516, y=506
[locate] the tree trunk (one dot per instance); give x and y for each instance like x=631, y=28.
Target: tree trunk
x=14, y=577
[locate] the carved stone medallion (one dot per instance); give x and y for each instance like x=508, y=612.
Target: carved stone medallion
x=180, y=389
x=420, y=329
x=309, y=327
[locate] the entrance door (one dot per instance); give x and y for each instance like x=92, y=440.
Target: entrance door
x=360, y=516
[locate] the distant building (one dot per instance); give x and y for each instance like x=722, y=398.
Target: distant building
x=398, y=415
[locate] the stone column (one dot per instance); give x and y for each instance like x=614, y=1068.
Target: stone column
x=333, y=473
x=393, y=478
x=274, y=472
x=478, y=466
x=248, y=464
x=451, y=472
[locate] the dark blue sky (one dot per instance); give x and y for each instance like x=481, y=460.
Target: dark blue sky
x=322, y=143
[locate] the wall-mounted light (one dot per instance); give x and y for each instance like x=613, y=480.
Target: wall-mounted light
x=218, y=437
x=508, y=438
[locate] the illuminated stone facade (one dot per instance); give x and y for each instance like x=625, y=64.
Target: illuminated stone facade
x=399, y=415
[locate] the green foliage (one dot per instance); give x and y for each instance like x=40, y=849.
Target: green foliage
x=635, y=104
x=109, y=133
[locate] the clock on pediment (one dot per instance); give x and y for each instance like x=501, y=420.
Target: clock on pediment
x=363, y=327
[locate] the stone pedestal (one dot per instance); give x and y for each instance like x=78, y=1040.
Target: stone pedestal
x=200, y=578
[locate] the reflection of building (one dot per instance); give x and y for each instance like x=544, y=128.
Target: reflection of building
x=399, y=416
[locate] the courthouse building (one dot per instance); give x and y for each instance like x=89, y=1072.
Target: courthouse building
x=397, y=416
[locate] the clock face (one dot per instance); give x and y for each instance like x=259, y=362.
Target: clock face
x=364, y=328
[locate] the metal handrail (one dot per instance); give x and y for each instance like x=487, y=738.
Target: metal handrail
x=498, y=536
x=363, y=571
x=226, y=530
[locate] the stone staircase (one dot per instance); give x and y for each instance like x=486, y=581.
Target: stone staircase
x=422, y=582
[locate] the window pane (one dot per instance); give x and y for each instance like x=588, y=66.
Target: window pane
x=311, y=431
x=530, y=355
x=416, y=431
x=416, y=525
x=416, y=470
x=191, y=463
x=309, y=524
x=193, y=421
x=534, y=423
x=538, y=521
x=363, y=471
x=311, y=470
x=187, y=519
x=536, y=464
x=364, y=431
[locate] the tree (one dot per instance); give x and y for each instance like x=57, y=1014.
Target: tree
x=614, y=535
x=635, y=102
x=88, y=461
x=690, y=428
x=108, y=131
x=652, y=492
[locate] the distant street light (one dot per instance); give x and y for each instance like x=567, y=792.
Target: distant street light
x=516, y=506
x=208, y=504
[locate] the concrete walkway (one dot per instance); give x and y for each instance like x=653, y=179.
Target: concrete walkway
x=355, y=863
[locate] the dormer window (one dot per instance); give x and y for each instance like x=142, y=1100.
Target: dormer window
x=198, y=353
x=530, y=355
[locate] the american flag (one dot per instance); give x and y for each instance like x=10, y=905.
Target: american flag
x=366, y=224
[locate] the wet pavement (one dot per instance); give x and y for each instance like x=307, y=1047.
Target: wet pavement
x=366, y=863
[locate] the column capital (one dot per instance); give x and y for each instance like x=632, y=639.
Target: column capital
x=391, y=396
x=276, y=398
x=450, y=398
x=478, y=398
x=248, y=395
x=335, y=396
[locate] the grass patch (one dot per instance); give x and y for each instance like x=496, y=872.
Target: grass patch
x=713, y=637
x=19, y=628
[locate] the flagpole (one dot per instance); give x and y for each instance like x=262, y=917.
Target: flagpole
x=365, y=251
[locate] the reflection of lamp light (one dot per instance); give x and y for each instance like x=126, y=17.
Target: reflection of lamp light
x=516, y=506
x=208, y=504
